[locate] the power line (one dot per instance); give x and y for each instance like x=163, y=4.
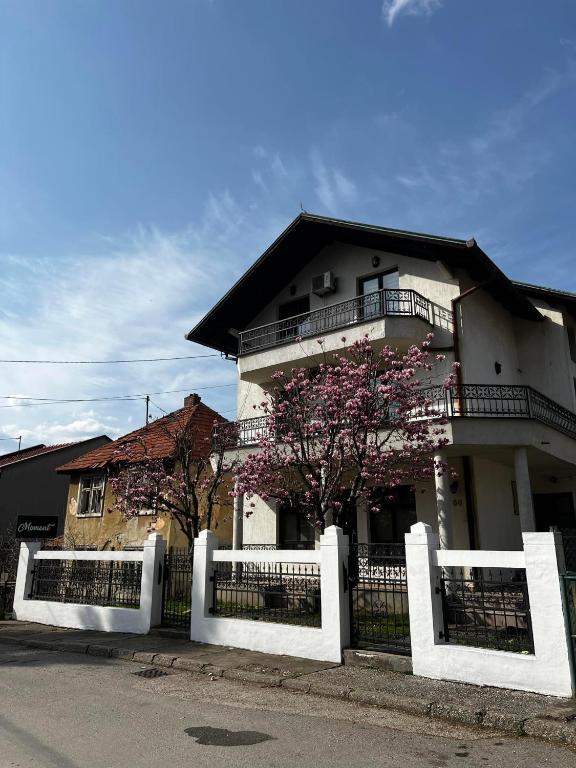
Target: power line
x=110, y=362
x=110, y=398
x=159, y=407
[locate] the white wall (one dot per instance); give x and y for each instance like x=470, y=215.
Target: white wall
x=546, y=671
x=324, y=643
x=498, y=526
x=261, y=525
x=97, y=617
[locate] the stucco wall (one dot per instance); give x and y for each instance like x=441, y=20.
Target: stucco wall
x=498, y=526
x=112, y=530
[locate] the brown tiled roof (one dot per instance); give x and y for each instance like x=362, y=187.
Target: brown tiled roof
x=155, y=439
x=30, y=453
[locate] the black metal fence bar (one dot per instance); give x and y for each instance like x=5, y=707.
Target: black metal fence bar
x=284, y=593
x=88, y=582
x=487, y=608
x=177, y=588
x=386, y=302
x=6, y=598
x=569, y=544
x=569, y=589
x=379, y=597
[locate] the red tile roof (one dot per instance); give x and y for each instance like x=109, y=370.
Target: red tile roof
x=155, y=437
x=30, y=453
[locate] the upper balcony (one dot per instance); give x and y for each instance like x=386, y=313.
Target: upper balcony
x=395, y=316
x=362, y=309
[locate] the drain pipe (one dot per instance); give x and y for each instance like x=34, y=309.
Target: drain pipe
x=466, y=463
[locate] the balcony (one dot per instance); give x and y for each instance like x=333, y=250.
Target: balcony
x=362, y=309
x=465, y=401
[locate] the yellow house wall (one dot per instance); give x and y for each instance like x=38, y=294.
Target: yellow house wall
x=111, y=531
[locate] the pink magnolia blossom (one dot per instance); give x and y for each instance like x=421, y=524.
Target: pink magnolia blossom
x=360, y=421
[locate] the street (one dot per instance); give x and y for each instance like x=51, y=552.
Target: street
x=69, y=711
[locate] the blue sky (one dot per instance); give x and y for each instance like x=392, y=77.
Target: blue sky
x=149, y=151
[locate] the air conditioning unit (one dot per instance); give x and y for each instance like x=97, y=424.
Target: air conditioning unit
x=324, y=284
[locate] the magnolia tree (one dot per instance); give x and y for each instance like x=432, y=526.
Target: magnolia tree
x=361, y=420
x=187, y=485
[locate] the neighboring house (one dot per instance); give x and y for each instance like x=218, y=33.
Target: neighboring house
x=512, y=420
x=92, y=519
x=30, y=485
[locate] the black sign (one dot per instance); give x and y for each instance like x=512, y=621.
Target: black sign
x=36, y=526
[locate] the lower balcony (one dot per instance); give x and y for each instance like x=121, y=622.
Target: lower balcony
x=488, y=401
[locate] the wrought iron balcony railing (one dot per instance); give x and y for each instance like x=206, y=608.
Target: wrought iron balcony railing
x=387, y=302
x=467, y=400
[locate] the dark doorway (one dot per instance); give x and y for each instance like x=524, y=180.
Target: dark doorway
x=554, y=509
x=396, y=513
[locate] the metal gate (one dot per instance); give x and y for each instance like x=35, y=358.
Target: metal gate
x=177, y=588
x=379, y=597
x=569, y=584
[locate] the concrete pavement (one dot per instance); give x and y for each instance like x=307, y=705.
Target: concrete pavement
x=70, y=710
x=514, y=712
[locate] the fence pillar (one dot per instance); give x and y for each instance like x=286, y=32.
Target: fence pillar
x=203, y=569
x=544, y=563
x=424, y=598
x=151, y=587
x=334, y=588
x=24, y=574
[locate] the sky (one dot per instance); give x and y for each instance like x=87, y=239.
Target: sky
x=150, y=151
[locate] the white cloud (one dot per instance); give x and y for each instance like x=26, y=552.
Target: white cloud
x=391, y=9
x=332, y=187
x=87, y=424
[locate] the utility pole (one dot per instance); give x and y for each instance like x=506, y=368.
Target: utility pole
x=19, y=443
x=147, y=408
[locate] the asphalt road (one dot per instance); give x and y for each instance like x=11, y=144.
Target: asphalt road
x=68, y=711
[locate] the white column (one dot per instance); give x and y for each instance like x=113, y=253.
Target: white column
x=24, y=574
x=151, y=587
x=238, y=521
x=443, y=509
x=204, y=545
x=524, y=491
x=335, y=612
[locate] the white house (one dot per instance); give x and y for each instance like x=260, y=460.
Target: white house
x=512, y=427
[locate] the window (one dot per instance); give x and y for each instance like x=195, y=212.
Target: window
x=91, y=496
x=296, y=531
x=374, y=303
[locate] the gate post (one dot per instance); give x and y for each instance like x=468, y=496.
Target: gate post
x=424, y=598
x=335, y=604
x=24, y=574
x=151, y=586
x=202, y=571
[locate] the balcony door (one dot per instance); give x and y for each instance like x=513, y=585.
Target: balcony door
x=293, y=320
x=373, y=302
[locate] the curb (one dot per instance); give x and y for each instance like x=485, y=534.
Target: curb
x=561, y=730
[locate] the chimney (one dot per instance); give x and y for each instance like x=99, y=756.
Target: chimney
x=191, y=400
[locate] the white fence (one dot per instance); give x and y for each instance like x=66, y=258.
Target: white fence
x=546, y=670
x=145, y=614
x=324, y=642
